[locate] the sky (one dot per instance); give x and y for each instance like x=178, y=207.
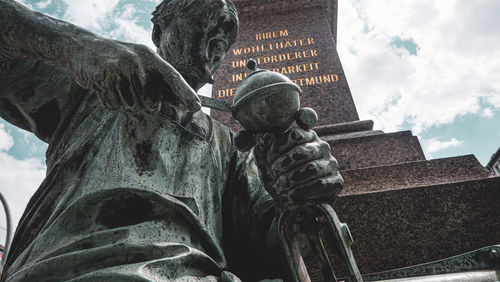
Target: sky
x=432, y=67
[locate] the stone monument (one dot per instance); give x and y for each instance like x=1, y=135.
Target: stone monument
x=401, y=208
x=300, y=45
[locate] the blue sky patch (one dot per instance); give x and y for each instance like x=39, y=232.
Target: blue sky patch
x=407, y=44
x=475, y=133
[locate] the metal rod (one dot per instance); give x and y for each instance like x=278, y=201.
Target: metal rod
x=329, y=273
x=9, y=229
x=215, y=104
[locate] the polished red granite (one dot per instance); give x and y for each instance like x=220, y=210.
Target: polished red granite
x=398, y=228
x=295, y=38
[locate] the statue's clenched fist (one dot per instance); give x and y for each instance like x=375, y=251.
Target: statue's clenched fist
x=297, y=167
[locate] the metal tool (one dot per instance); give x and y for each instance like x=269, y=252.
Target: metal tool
x=314, y=221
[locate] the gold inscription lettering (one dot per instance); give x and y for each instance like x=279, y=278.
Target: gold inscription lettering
x=315, y=80
x=287, y=54
x=239, y=63
x=226, y=92
x=237, y=52
x=237, y=77
x=299, y=81
x=282, y=57
x=271, y=35
x=309, y=80
x=272, y=46
x=298, y=68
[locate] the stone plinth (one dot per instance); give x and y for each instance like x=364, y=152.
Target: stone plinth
x=281, y=7
x=295, y=38
x=375, y=149
x=413, y=174
x=398, y=228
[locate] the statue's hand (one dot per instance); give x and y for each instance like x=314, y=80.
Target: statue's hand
x=131, y=76
x=297, y=168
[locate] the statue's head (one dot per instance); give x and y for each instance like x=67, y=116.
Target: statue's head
x=194, y=35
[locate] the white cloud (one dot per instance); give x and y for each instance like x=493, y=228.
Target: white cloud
x=25, y=4
x=487, y=113
x=43, y=5
x=90, y=14
x=6, y=141
x=127, y=28
x=19, y=179
x=434, y=145
x=206, y=91
x=110, y=19
x=457, y=64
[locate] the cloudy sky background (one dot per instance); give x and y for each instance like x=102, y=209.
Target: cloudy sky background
x=432, y=67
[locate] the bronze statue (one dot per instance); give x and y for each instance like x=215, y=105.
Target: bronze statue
x=141, y=185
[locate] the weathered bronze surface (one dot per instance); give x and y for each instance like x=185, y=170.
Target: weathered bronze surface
x=479, y=265
x=141, y=185
x=266, y=101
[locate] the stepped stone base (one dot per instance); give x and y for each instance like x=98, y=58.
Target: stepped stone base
x=345, y=127
x=375, y=149
x=355, y=145
x=399, y=228
x=404, y=210
x=413, y=174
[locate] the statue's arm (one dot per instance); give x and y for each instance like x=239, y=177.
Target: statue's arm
x=122, y=74
x=253, y=245
x=28, y=34
x=33, y=90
